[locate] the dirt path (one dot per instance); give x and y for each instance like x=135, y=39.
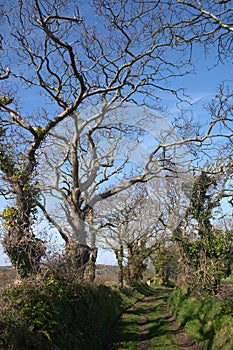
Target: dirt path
x=143, y=342
x=148, y=325
x=181, y=338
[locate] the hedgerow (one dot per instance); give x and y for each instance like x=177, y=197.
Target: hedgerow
x=208, y=321
x=62, y=314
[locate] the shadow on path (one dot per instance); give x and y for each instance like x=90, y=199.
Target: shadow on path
x=142, y=330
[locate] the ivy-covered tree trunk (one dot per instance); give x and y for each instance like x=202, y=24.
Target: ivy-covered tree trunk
x=119, y=254
x=136, y=256
x=204, y=249
x=77, y=256
x=21, y=245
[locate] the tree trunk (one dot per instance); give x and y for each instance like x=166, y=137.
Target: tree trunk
x=119, y=253
x=120, y=265
x=20, y=243
x=77, y=256
x=94, y=249
x=93, y=264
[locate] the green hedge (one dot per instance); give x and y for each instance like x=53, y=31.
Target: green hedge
x=55, y=314
x=209, y=321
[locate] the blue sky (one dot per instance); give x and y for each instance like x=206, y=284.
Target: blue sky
x=200, y=86
x=203, y=85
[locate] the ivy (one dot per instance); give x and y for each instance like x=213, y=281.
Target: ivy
x=9, y=216
x=206, y=250
x=23, y=248
x=40, y=132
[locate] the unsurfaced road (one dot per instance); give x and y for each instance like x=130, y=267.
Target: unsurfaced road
x=148, y=325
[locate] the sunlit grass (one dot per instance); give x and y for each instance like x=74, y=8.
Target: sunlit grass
x=159, y=334
x=209, y=321
x=228, y=279
x=129, y=329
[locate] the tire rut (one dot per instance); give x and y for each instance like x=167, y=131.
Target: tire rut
x=143, y=332
x=116, y=337
x=181, y=338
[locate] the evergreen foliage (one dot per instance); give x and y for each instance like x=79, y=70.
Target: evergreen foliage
x=59, y=312
x=206, y=250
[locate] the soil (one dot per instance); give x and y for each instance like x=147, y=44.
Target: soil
x=143, y=341
x=182, y=339
x=114, y=338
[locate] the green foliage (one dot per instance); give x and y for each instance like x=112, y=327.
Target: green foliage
x=7, y=164
x=209, y=257
x=9, y=216
x=206, y=251
x=201, y=202
x=208, y=320
x=24, y=253
x=165, y=263
x=138, y=251
x=59, y=313
x=40, y=132
x=4, y=100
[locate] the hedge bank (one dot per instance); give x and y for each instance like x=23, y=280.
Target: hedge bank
x=208, y=321
x=59, y=315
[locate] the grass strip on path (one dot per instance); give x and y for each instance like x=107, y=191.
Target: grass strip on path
x=143, y=326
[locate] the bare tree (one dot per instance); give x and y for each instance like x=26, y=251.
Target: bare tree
x=67, y=61
x=212, y=21
x=84, y=156
x=131, y=229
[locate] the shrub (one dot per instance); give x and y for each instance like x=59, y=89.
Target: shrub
x=58, y=313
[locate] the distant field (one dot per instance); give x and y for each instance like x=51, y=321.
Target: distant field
x=7, y=275
x=106, y=273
